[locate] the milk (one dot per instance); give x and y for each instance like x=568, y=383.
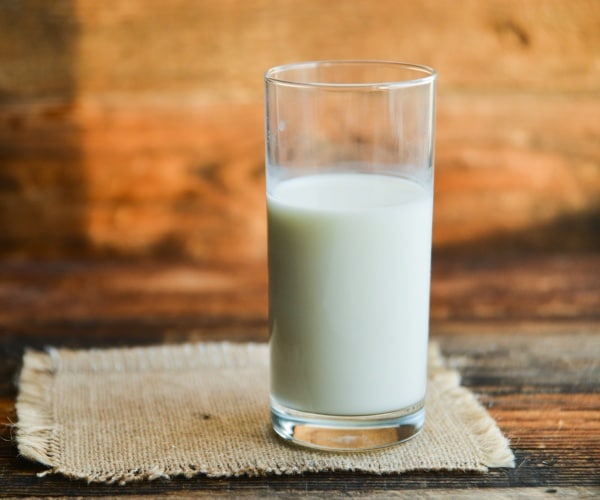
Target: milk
x=349, y=274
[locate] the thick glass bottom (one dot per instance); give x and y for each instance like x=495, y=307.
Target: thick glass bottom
x=347, y=433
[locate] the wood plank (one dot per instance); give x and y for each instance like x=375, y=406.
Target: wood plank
x=137, y=130
x=175, y=179
x=492, y=289
x=220, y=49
x=492, y=493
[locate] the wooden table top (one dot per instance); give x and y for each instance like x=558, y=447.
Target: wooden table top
x=523, y=330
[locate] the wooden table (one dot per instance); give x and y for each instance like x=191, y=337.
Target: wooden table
x=522, y=329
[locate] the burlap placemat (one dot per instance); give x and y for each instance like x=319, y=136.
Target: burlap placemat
x=120, y=415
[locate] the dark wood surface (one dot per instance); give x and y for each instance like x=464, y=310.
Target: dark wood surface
x=524, y=332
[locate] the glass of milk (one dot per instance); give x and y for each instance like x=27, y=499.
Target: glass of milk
x=349, y=161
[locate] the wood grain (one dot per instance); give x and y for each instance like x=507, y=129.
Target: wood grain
x=135, y=128
x=532, y=361
x=218, y=50
x=110, y=294
x=142, y=177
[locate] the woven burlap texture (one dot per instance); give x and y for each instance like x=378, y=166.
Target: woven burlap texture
x=120, y=415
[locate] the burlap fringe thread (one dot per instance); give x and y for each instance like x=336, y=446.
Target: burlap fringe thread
x=35, y=428
x=494, y=446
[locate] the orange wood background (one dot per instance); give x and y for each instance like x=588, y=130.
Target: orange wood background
x=134, y=128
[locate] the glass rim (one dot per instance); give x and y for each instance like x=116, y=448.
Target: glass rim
x=429, y=74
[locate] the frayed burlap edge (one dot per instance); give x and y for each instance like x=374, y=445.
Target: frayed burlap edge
x=494, y=447
x=36, y=424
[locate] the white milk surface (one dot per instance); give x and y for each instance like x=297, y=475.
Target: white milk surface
x=349, y=275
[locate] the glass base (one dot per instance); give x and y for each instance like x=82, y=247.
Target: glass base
x=347, y=433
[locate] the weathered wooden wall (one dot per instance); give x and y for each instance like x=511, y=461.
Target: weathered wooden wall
x=135, y=127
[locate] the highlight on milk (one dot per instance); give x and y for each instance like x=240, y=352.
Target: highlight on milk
x=349, y=266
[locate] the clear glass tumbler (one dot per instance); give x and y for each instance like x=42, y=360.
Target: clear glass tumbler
x=349, y=159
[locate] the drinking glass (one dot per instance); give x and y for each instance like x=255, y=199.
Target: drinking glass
x=349, y=180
